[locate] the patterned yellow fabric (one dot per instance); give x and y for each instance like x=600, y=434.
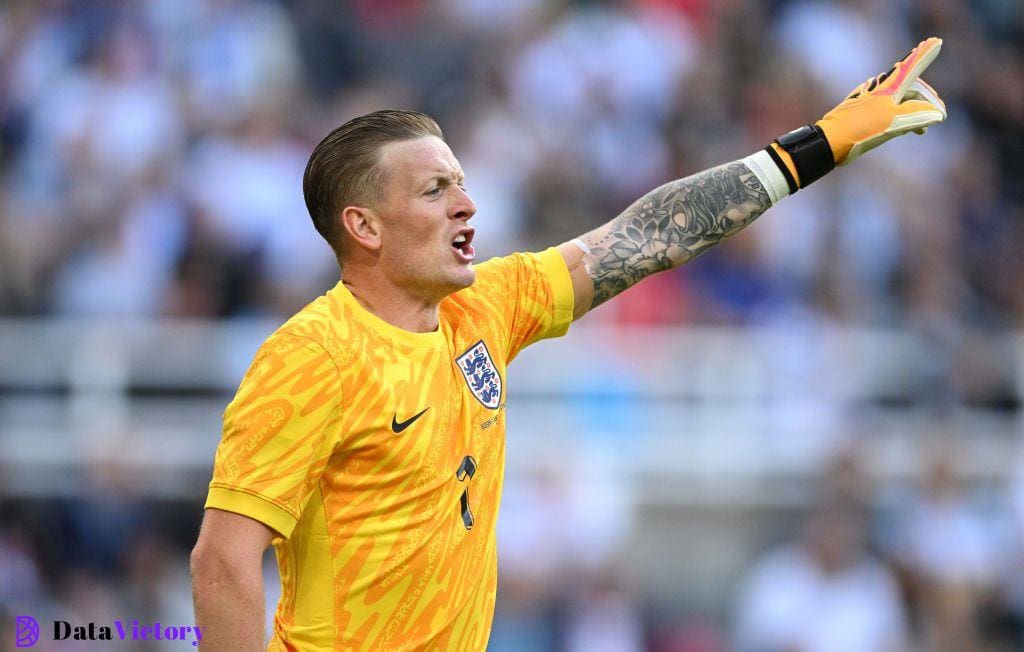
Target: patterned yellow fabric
x=387, y=538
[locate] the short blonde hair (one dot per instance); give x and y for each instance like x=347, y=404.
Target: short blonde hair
x=344, y=169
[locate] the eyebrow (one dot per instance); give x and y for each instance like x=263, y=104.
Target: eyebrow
x=444, y=179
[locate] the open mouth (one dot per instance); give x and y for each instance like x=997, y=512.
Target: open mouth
x=462, y=245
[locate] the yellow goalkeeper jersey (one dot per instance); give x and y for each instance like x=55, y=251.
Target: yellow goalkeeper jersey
x=378, y=456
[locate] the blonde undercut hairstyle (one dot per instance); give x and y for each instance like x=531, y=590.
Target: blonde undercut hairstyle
x=344, y=168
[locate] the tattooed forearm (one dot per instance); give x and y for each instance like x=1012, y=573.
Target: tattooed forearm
x=671, y=225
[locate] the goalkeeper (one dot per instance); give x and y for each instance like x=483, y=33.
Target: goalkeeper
x=366, y=441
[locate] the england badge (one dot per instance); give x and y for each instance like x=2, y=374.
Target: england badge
x=481, y=375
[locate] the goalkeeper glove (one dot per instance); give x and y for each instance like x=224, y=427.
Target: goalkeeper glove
x=883, y=107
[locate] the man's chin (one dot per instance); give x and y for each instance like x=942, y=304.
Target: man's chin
x=464, y=278
x=467, y=276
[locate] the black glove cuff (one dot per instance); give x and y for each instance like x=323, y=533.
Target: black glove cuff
x=810, y=151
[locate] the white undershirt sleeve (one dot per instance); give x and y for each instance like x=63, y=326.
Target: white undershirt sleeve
x=768, y=173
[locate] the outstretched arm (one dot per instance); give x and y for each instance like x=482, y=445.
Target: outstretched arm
x=665, y=228
x=678, y=221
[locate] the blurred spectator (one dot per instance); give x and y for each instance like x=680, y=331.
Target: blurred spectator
x=605, y=617
x=561, y=535
x=824, y=593
x=842, y=43
x=20, y=580
x=948, y=551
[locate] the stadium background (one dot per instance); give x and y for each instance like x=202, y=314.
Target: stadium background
x=807, y=440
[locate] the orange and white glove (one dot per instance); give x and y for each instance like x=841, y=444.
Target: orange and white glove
x=888, y=105
x=883, y=107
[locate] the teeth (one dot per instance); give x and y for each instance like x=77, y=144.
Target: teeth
x=460, y=239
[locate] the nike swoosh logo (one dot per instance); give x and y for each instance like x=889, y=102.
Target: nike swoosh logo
x=399, y=427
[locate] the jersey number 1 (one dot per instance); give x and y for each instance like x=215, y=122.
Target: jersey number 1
x=466, y=469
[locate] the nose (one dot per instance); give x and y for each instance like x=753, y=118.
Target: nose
x=463, y=207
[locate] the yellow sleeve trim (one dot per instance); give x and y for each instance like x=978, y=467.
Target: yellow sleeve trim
x=561, y=288
x=254, y=506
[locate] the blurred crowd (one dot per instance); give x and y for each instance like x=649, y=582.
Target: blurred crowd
x=931, y=562
x=152, y=152
x=151, y=156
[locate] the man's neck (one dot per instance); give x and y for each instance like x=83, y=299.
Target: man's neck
x=395, y=305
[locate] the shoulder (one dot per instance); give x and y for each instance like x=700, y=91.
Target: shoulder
x=321, y=325
x=520, y=261
x=518, y=270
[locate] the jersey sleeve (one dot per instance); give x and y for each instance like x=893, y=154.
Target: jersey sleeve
x=533, y=291
x=279, y=432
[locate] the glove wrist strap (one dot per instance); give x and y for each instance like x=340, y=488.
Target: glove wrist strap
x=811, y=154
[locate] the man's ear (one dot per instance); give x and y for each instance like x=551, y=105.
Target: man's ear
x=362, y=226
